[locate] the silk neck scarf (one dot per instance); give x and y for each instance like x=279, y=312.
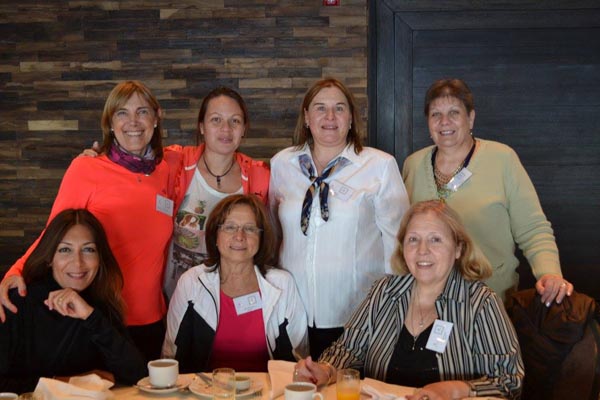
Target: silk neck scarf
x=145, y=164
x=317, y=182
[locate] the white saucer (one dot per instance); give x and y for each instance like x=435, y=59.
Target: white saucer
x=182, y=382
x=201, y=389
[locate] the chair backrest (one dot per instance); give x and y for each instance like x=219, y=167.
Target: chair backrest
x=560, y=346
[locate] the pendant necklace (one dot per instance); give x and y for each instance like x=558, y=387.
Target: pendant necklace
x=218, y=177
x=422, y=317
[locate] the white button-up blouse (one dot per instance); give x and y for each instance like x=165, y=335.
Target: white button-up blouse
x=338, y=260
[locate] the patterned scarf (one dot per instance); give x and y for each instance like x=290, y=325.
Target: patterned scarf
x=318, y=182
x=145, y=164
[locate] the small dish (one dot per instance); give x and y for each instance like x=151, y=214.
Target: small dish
x=145, y=386
x=242, y=383
x=202, y=390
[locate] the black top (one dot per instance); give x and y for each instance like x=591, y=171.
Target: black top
x=37, y=342
x=412, y=364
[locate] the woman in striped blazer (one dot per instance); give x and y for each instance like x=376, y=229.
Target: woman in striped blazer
x=437, y=326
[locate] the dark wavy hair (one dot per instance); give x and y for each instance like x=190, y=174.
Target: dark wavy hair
x=452, y=87
x=302, y=133
x=105, y=289
x=116, y=100
x=264, y=258
x=222, y=91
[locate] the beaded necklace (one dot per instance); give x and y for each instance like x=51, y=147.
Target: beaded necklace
x=441, y=179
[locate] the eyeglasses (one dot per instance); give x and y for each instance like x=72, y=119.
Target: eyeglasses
x=235, y=228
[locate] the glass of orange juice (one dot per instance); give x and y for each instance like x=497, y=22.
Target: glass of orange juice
x=348, y=384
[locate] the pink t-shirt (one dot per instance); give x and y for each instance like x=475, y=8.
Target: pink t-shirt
x=240, y=341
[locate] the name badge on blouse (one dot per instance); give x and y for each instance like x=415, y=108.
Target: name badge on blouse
x=440, y=333
x=164, y=205
x=461, y=177
x=248, y=302
x=340, y=191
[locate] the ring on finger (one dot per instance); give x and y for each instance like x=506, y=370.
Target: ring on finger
x=564, y=284
x=424, y=397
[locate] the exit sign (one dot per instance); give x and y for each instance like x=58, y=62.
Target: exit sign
x=331, y=2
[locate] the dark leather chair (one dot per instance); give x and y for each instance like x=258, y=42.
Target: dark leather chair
x=560, y=345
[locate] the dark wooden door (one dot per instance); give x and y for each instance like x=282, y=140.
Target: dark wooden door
x=534, y=69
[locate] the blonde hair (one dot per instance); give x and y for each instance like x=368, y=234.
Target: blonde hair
x=117, y=99
x=471, y=264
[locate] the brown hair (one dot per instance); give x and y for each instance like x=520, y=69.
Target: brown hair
x=222, y=91
x=117, y=99
x=302, y=133
x=265, y=256
x=105, y=289
x=450, y=88
x=471, y=264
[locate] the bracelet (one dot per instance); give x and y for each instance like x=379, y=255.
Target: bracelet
x=330, y=371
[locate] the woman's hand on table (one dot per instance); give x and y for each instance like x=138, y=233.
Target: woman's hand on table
x=553, y=287
x=445, y=390
x=308, y=370
x=10, y=282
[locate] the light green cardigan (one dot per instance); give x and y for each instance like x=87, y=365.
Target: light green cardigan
x=499, y=207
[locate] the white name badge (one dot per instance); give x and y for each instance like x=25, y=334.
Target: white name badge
x=440, y=333
x=340, y=191
x=164, y=205
x=248, y=302
x=461, y=177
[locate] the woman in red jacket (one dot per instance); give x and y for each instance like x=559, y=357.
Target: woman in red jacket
x=208, y=173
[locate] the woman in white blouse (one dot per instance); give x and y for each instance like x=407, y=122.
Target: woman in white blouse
x=339, y=205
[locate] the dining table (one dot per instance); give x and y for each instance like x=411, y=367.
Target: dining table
x=260, y=380
x=371, y=389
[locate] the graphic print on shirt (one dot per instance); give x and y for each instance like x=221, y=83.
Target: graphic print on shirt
x=188, y=233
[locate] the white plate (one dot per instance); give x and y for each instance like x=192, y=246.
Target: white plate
x=199, y=388
x=182, y=382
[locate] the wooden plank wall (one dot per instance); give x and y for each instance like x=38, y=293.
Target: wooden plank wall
x=59, y=59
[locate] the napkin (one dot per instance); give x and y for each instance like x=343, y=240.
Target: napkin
x=281, y=373
x=384, y=391
x=79, y=387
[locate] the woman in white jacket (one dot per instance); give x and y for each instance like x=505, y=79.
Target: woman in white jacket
x=236, y=310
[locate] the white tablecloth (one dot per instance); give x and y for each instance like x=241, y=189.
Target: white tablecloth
x=132, y=392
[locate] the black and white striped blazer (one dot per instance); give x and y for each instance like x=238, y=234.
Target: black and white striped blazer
x=483, y=348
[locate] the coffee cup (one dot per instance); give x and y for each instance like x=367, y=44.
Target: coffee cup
x=163, y=372
x=301, y=391
x=8, y=396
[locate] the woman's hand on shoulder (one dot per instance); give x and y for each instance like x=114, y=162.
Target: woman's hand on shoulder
x=93, y=152
x=10, y=282
x=67, y=302
x=553, y=288
x=308, y=370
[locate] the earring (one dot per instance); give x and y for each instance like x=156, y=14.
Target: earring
x=306, y=124
x=112, y=130
x=155, y=125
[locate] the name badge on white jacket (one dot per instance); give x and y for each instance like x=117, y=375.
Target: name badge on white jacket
x=248, y=302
